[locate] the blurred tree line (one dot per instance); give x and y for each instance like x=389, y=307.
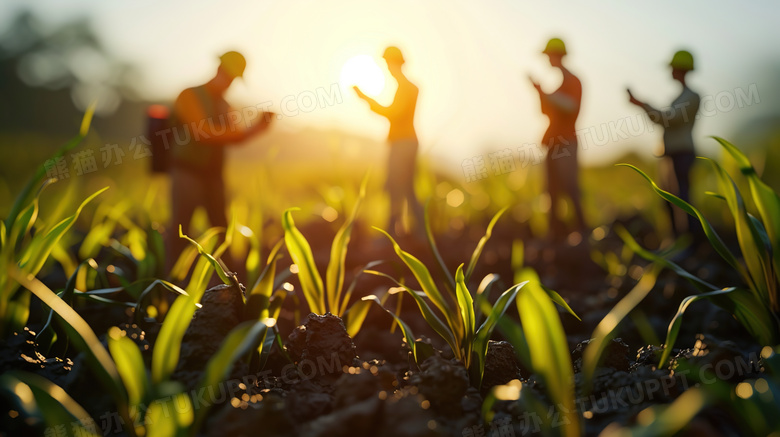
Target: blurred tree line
x=50, y=73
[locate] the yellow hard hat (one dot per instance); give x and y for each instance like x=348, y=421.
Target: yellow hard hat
x=393, y=55
x=555, y=45
x=682, y=60
x=233, y=63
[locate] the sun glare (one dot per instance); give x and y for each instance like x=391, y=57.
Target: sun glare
x=363, y=71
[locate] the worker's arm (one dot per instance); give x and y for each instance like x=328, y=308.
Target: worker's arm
x=655, y=114
x=672, y=116
x=550, y=100
x=537, y=87
x=400, y=104
x=190, y=111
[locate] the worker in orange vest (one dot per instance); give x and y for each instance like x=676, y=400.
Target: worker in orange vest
x=562, y=108
x=200, y=114
x=402, y=139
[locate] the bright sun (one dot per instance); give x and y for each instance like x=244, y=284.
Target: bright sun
x=362, y=70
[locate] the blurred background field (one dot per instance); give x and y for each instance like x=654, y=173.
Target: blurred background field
x=54, y=63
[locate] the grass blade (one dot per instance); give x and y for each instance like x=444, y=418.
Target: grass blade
x=766, y=199
x=272, y=335
x=758, y=260
x=466, y=307
x=354, y=317
x=165, y=354
x=353, y=284
x=430, y=317
x=549, y=349
x=425, y=280
x=55, y=405
x=603, y=333
x=203, y=271
x=41, y=247
x=169, y=416
x=481, y=299
x=435, y=249
x=701, y=285
x=301, y=254
x=26, y=219
x=334, y=275
x=130, y=365
x=46, y=334
x=514, y=334
x=669, y=419
x=740, y=302
x=482, y=336
x=712, y=236
x=223, y=275
x=82, y=336
x=259, y=297
x=555, y=297
x=189, y=254
x=752, y=313
x=481, y=244
x=405, y=329
x=275, y=304
x=243, y=339
x=166, y=351
x=139, y=305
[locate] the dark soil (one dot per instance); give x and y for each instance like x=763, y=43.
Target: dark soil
x=327, y=384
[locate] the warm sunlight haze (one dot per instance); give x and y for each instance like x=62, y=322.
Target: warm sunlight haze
x=362, y=71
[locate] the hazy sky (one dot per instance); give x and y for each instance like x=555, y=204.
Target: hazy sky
x=470, y=59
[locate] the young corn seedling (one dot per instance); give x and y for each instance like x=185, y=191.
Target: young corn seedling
x=330, y=295
x=139, y=290
x=754, y=304
x=250, y=338
x=168, y=346
x=540, y=342
x=468, y=341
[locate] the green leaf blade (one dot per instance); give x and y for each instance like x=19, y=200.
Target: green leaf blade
x=482, y=242
x=301, y=254
x=549, y=349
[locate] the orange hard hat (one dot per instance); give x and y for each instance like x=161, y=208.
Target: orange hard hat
x=393, y=55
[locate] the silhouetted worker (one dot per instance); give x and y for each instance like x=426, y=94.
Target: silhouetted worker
x=200, y=114
x=677, y=121
x=403, y=142
x=562, y=108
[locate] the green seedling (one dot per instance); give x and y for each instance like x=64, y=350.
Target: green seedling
x=327, y=296
x=755, y=304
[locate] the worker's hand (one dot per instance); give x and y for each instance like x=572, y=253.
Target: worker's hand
x=268, y=116
x=633, y=99
x=261, y=123
x=358, y=92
